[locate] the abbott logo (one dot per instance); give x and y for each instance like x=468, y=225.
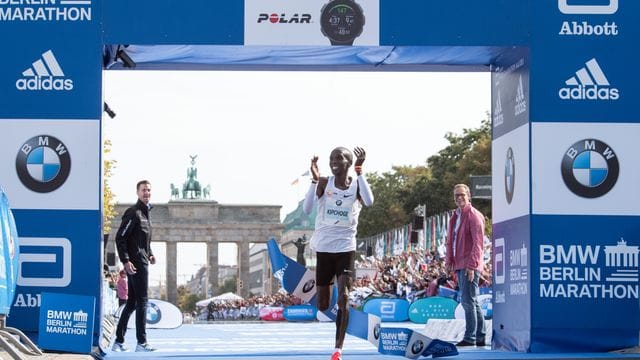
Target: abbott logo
x=51, y=256
x=589, y=83
x=44, y=74
x=608, y=9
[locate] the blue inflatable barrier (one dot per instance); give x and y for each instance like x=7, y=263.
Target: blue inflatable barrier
x=300, y=313
x=9, y=254
x=388, y=309
x=435, y=307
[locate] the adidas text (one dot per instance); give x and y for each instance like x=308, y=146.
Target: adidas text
x=589, y=93
x=585, y=29
x=44, y=83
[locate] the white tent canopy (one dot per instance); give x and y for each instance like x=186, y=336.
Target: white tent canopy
x=228, y=296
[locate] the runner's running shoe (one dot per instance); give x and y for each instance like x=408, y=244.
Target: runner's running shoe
x=336, y=356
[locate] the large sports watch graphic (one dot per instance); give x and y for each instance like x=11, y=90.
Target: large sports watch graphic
x=341, y=21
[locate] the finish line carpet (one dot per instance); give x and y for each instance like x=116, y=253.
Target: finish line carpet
x=285, y=340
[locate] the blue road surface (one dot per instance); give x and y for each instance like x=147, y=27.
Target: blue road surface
x=286, y=340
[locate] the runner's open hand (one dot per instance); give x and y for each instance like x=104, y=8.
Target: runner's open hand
x=360, y=155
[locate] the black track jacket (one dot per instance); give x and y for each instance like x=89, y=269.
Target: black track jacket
x=133, y=239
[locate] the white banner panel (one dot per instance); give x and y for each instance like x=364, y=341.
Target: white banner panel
x=585, y=168
x=303, y=22
x=510, y=177
x=51, y=164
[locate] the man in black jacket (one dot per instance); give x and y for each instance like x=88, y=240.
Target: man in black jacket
x=134, y=249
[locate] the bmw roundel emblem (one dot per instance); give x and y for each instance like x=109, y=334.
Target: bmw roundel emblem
x=590, y=168
x=417, y=347
x=509, y=176
x=308, y=286
x=154, y=314
x=43, y=163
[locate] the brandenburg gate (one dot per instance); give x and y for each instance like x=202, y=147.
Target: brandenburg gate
x=194, y=218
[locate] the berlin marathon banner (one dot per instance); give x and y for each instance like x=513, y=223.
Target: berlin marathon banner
x=45, y=10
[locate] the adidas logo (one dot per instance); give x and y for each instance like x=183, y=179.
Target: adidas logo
x=44, y=74
x=589, y=83
x=498, y=118
x=521, y=103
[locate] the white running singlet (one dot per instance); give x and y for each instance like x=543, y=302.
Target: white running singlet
x=337, y=219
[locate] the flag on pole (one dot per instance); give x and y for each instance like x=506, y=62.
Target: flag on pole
x=297, y=180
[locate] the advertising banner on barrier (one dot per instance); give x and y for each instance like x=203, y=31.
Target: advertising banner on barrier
x=300, y=313
x=9, y=254
x=388, y=309
x=434, y=307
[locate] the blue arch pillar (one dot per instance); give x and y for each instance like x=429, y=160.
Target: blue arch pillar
x=564, y=165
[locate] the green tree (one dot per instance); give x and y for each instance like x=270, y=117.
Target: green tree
x=398, y=192
x=229, y=285
x=186, y=299
x=108, y=198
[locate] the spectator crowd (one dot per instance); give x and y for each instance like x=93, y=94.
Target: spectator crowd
x=411, y=275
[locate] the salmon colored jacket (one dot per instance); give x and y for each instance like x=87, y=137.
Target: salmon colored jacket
x=470, y=244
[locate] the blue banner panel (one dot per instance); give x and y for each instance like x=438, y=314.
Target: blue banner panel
x=454, y=22
x=300, y=313
x=583, y=64
x=586, y=282
x=156, y=22
x=50, y=78
x=510, y=91
x=512, y=284
x=388, y=309
x=66, y=322
x=57, y=254
x=9, y=254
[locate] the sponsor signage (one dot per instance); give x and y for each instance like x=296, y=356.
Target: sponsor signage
x=388, y=309
x=300, y=313
x=308, y=22
x=577, y=272
x=66, y=322
x=511, y=303
x=584, y=169
x=9, y=254
x=51, y=164
x=434, y=307
x=160, y=315
x=510, y=93
x=45, y=11
x=510, y=177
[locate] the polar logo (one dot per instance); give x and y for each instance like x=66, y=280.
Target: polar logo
x=40, y=256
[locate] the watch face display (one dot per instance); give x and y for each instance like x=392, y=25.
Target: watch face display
x=342, y=21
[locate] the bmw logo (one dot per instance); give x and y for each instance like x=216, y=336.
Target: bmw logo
x=308, y=286
x=590, y=168
x=153, y=313
x=43, y=163
x=417, y=346
x=509, y=176
x=338, y=202
x=376, y=331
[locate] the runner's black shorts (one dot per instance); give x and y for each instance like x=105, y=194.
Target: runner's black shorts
x=330, y=265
